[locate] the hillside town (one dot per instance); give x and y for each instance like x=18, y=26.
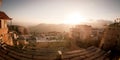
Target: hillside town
x=80, y=36
x=58, y=41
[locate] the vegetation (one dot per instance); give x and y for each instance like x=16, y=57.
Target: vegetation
x=18, y=29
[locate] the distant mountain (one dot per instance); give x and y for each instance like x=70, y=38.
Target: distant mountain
x=100, y=23
x=65, y=27
x=50, y=27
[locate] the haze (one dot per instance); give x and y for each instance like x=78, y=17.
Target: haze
x=60, y=11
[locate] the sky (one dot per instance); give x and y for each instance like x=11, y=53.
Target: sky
x=60, y=11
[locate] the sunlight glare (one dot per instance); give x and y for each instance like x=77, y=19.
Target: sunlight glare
x=74, y=18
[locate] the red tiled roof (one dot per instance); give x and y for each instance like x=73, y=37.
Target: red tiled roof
x=4, y=16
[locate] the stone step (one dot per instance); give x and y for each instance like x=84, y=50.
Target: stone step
x=91, y=53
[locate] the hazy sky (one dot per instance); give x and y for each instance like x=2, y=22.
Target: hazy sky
x=57, y=11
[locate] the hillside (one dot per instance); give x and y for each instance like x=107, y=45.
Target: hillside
x=50, y=27
x=65, y=27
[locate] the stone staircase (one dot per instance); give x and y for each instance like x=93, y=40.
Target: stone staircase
x=10, y=53
x=92, y=53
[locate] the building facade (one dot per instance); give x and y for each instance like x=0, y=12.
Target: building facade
x=3, y=27
x=3, y=23
x=81, y=32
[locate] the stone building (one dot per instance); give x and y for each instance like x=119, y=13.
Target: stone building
x=111, y=37
x=81, y=32
x=3, y=23
x=3, y=27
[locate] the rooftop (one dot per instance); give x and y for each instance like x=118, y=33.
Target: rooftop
x=4, y=16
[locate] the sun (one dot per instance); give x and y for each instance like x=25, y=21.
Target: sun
x=74, y=18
